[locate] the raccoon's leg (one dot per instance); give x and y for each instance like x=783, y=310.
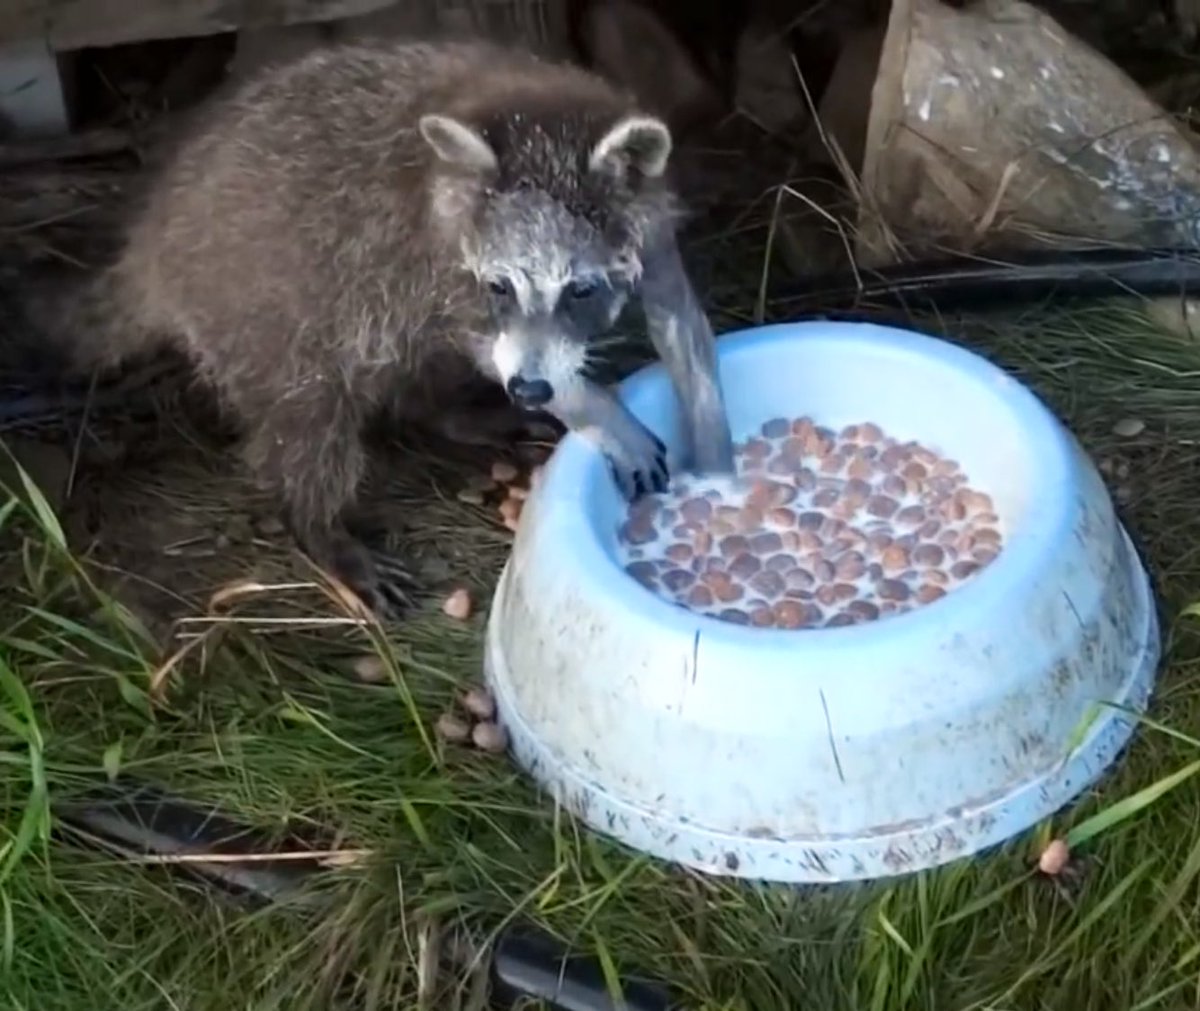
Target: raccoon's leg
x=305, y=446
x=683, y=338
x=637, y=457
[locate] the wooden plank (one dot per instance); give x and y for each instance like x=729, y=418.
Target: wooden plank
x=76, y=24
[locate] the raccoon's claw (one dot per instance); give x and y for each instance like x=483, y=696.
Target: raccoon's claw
x=378, y=579
x=640, y=470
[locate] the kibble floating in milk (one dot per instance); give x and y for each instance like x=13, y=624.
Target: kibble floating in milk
x=821, y=529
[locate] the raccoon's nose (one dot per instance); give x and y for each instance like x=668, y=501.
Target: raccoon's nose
x=529, y=393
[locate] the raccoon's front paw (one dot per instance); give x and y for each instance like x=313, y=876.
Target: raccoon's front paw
x=380, y=580
x=638, y=463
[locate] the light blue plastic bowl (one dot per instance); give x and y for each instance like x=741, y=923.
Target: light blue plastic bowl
x=842, y=753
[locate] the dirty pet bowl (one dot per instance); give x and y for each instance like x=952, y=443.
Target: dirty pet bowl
x=837, y=753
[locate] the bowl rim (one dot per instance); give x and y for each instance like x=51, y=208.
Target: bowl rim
x=563, y=506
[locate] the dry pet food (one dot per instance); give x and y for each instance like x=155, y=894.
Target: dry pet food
x=820, y=529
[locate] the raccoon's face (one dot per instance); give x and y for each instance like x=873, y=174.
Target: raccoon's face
x=555, y=243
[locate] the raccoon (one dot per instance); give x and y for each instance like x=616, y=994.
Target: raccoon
x=353, y=234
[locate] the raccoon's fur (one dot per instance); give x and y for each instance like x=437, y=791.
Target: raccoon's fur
x=354, y=231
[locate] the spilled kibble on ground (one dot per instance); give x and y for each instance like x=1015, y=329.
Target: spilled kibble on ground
x=824, y=529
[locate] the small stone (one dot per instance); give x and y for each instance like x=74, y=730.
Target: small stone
x=451, y=729
x=457, y=605
x=504, y=472
x=1128, y=428
x=489, y=737
x=479, y=703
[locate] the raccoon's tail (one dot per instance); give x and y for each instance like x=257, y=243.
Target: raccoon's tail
x=62, y=338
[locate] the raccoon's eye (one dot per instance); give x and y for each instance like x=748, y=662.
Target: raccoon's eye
x=500, y=287
x=581, y=288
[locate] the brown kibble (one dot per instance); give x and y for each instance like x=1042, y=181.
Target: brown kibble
x=720, y=528
x=749, y=518
x=860, y=467
x=644, y=572
x=928, y=555
x=928, y=593
x=451, y=729
x=802, y=426
x=974, y=501
x=937, y=577
x=850, y=566
x=882, y=506
x=696, y=510
x=833, y=464
x=727, y=513
x=911, y=516
x=929, y=529
x=840, y=620
x=768, y=584
x=799, y=579
x=766, y=543
x=953, y=510
x=894, y=486
x=843, y=592
x=734, y=616
x=805, y=479
x=744, y=565
x=857, y=490
x=727, y=593
x=987, y=536
x=810, y=521
x=776, y=428
x=702, y=542
x=849, y=433
x=633, y=532
x=984, y=556
x=733, y=545
x=1054, y=858
x=794, y=614
x=894, y=457
x=894, y=559
x=824, y=571
x=863, y=610
x=679, y=553
x=479, y=703
x=700, y=597
x=781, y=562
x=963, y=569
x=945, y=468
x=914, y=472
x=503, y=472
x=490, y=737
x=678, y=580
x=457, y=605
x=825, y=498
x=791, y=540
x=762, y=617
x=869, y=433
x=893, y=589
x=781, y=517
x=757, y=449
x=370, y=669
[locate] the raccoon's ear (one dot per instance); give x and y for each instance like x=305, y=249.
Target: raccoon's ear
x=639, y=142
x=456, y=143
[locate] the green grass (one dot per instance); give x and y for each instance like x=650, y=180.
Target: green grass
x=273, y=729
